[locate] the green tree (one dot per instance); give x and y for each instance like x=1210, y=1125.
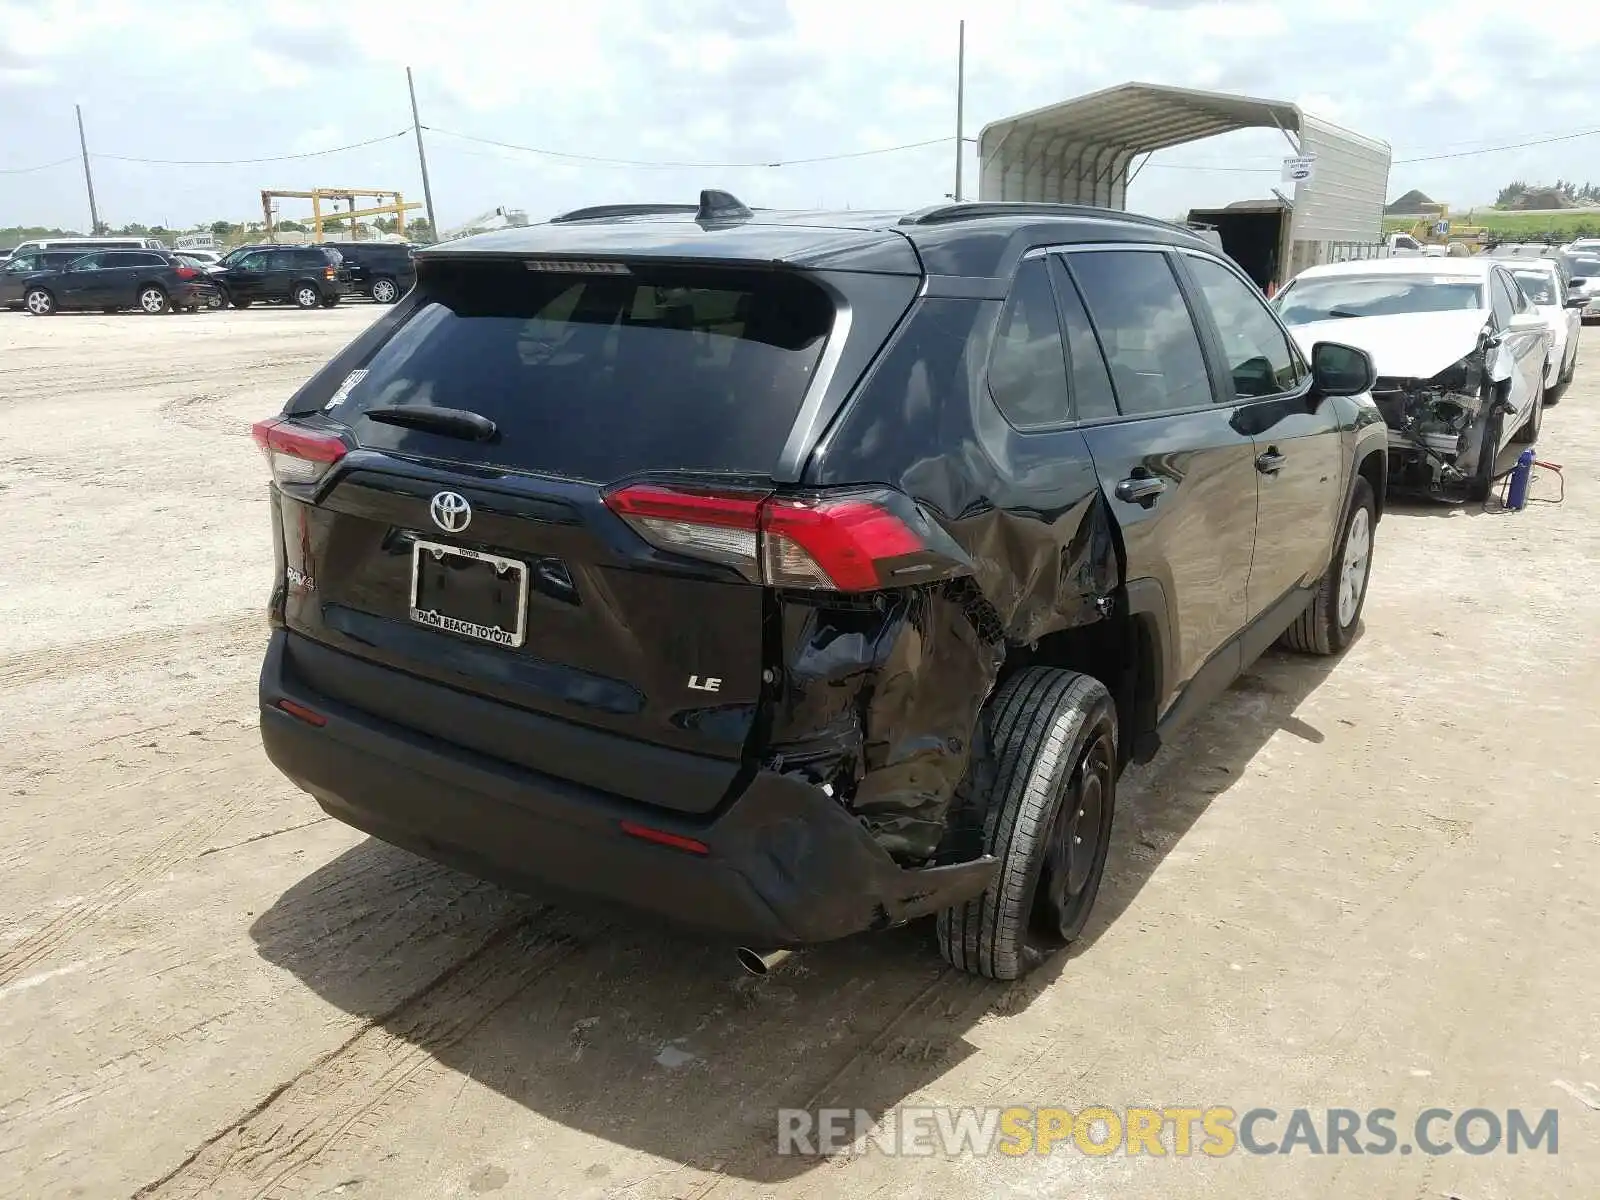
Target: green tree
x=223, y=229
x=290, y=227
x=420, y=231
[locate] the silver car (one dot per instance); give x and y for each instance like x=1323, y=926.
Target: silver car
x=1583, y=279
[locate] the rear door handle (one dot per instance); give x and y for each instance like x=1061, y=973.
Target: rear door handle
x=1271, y=462
x=1141, y=489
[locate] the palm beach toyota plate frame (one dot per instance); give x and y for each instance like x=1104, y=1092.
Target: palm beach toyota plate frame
x=494, y=634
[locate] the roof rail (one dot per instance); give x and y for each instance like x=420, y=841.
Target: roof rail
x=941, y=214
x=607, y=212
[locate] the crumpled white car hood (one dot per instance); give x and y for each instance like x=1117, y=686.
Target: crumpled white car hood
x=1406, y=346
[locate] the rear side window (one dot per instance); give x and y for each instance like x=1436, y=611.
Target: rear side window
x=1150, y=341
x=1027, y=371
x=596, y=377
x=1260, y=358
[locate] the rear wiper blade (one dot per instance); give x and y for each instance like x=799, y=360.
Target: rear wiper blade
x=451, y=422
x=1342, y=312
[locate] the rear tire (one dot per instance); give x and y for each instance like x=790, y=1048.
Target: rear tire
x=1048, y=821
x=39, y=302
x=1329, y=621
x=385, y=290
x=154, y=301
x=305, y=295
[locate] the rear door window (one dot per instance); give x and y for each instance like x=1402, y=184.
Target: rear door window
x=598, y=376
x=1092, y=397
x=1144, y=324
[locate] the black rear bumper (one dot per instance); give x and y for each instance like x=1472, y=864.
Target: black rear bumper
x=784, y=863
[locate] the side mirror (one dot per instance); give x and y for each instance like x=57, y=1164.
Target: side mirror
x=1340, y=370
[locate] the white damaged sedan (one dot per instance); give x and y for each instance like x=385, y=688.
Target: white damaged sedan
x=1460, y=353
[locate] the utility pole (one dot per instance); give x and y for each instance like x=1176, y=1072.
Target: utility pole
x=422, y=156
x=961, y=88
x=88, y=179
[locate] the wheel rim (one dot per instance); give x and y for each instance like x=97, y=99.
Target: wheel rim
x=1353, y=573
x=1078, y=840
x=38, y=302
x=151, y=300
x=383, y=291
x=307, y=298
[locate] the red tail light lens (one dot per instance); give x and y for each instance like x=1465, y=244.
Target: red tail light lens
x=329, y=273
x=185, y=272
x=296, y=455
x=836, y=543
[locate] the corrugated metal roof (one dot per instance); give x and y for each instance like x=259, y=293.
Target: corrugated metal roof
x=1081, y=151
x=1135, y=118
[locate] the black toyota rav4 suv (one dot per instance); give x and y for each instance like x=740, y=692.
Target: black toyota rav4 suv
x=794, y=574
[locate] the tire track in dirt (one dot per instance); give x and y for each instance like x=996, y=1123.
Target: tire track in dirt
x=203, y=413
x=385, y=1062
x=132, y=650
x=184, y=843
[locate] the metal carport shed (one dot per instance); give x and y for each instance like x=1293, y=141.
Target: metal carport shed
x=1083, y=151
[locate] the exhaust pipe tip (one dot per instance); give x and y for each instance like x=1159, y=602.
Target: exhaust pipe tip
x=760, y=963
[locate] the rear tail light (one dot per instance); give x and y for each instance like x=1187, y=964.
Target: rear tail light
x=185, y=272
x=330, y=272
x=840, y=543
x=296, y=455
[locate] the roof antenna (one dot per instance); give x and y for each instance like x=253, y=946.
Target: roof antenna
x=721, y=206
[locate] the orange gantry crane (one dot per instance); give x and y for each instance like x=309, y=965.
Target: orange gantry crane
x=390, y=203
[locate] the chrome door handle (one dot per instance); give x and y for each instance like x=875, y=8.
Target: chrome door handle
x=1141, y=489
x=1271, y=462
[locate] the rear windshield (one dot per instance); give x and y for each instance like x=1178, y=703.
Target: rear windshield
x=1336, y=296
x=599, y=376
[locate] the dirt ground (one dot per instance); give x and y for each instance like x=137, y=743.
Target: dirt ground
x=1362, y=883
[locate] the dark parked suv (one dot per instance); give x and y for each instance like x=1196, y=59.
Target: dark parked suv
x=305, y=276
x=16, y=270
x=381, y=271
x=794, y=575
x=154, y=281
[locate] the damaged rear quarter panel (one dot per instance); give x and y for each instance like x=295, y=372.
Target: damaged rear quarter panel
x=881, y=698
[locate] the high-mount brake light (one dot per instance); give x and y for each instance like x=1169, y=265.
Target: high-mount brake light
x=296, y=455
x=830, y=542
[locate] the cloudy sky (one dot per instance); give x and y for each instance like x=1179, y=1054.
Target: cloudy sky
x=740, y=82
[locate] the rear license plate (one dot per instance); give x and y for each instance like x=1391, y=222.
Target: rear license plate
x=476, y=595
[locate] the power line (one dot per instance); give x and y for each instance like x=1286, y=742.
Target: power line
x=674, y=164
x=60, y=162
x=240, y=162
x=1545, y=141
x=1398, y=162
x=669, y=164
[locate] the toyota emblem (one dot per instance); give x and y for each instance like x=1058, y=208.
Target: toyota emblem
x=451, y=512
